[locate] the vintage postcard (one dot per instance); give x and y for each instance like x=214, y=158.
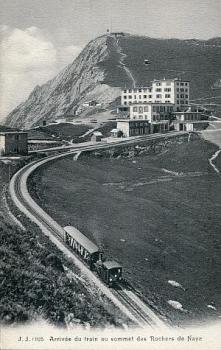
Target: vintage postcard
x=110, y=174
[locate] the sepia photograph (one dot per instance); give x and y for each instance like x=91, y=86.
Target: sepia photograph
x=110, y=174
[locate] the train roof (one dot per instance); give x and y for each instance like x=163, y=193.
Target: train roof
x=82, y=239
x=112, y=265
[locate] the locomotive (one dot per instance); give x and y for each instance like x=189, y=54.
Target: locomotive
x=109, y=271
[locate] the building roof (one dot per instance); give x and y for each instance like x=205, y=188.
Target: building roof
x=97, y=133
x=7, y=130
x=137, y=88
x=82, y=239
x=112, y=265
x=115, y=130
x=171, y=79
x=148, y=103
x=12, y=132
x=161, y=121
x=188, y=112
x=133, y=120
x=191, y=121
x=4, y=128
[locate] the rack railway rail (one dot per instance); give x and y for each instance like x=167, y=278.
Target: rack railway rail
x=140, y=315
x=127, y=301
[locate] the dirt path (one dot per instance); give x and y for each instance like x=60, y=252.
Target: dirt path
x=123, y=65
x=214, y=156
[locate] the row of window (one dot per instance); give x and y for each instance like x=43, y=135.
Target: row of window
x=140, y=109
x=126, y=103
x=191, y=117
x=160, y=96
x=158, y=117
x=138, y=90
x=154, y=117
x=168, y=83
x=165, y=90
x=181, y=84
x=182, y=102
x=147, y=96
x=139, y=131
x=157, y=90
x=158, y=109
x=162, y=108
x=135, y=96
x=181, y=90
x=140, y=117
x=182, y=96
x=17, y=137
x=140, y=124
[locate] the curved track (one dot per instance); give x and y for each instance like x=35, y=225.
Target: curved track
x=126, y=300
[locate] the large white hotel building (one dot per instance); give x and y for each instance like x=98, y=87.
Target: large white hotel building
x=172, y=91
x=149, y=109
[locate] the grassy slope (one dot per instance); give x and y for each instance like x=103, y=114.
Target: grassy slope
x=61, y=131
x=171, y=228
x=169, y=58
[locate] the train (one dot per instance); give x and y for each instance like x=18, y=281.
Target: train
x=109, y=271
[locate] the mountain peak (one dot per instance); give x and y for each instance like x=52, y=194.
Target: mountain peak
x=113, y=61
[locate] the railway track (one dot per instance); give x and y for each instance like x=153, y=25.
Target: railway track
x=137, y=312
x=103, y=145
x=129, y=302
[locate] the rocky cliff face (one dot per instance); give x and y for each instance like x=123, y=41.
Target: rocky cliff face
x=66, y=93
x=111, y=62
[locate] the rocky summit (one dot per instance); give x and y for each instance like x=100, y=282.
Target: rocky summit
x=114, y=61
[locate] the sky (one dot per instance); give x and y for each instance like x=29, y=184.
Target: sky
x=40, y=37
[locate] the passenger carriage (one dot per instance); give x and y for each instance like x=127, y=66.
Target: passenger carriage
x=82, y=246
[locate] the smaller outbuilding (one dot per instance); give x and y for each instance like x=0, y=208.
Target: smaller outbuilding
x=13, y=142
x=96, y=136
x=191, y=125
x=116, y=133
x=190, y=121
x=131, y=127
